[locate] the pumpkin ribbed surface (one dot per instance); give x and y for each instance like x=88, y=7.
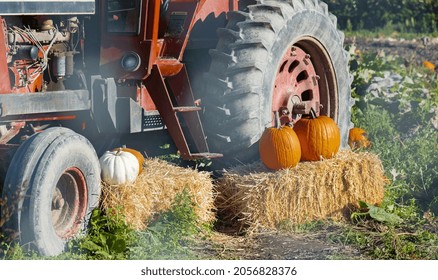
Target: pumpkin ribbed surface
x=319, y=137
x=118, y=167
x=137, y=154
x=279, y=148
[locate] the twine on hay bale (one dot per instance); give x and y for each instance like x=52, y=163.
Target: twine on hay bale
x=253, y=196
x=155, y=190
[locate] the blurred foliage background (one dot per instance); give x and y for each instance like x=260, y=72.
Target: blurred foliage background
x=417, y=16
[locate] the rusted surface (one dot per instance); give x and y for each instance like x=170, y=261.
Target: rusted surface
x=296, y=82
x=160, y=37
x=182, y=90
x=69, y=203
x=160, y=95
x=160, y=43
x=44, y=102
x=14, y=129
x=157, y=88
x=145, y=43
x=179, y=21
x=169, y=67
x=215, y=7
x=5, y=86
x=144, y=98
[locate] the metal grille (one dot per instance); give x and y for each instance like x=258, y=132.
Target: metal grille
x=152, y=121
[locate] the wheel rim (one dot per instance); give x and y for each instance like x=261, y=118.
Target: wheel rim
x=305, y=79
x=69, y=203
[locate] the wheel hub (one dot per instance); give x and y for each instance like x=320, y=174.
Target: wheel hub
x=296, y=87
x=69, y=203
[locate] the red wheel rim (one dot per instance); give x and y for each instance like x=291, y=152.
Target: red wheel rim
x=304, y=79
x=69, y=203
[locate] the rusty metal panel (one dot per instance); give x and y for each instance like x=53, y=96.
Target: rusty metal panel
x=47, y=7
x=5, y=85
x=14, y=104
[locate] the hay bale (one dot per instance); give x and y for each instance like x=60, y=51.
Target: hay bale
x=254, y=196
x=155, y=190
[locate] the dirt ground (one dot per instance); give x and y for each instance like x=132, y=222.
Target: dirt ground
x=276, y=245
x=317, y=244
x=412, y=51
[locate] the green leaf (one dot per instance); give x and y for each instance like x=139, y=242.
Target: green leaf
x=90, y=246
x=117, y=244
x=363, y=204
x=104, y=254
x=381, y=215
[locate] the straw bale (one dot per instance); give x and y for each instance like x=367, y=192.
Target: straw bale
x=253, y=196
x=155, y=190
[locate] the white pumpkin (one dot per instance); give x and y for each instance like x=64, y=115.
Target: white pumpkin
x=118, y=167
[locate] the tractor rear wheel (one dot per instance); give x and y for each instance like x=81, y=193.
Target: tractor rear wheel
x=51, y=186
x=284, y=56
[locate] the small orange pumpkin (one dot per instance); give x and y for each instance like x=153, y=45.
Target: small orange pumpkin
x=319, y=137
x=137, y=154
x=358, y=138
x=429, y=65
x=279, y=147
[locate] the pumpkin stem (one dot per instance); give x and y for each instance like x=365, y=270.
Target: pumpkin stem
x=277, y=119
x=313, y=113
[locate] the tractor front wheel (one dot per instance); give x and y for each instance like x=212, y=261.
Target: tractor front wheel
x=51, y=186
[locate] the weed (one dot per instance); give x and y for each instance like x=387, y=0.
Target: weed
x=170, y=234
x=109, y=236
x=375, y=212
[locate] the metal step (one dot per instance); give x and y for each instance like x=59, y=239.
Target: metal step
x=205, y=155
x=183, y=109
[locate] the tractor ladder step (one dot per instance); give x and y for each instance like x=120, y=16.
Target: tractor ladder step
x=206, y=155
x=172, y=94
x=183, y=109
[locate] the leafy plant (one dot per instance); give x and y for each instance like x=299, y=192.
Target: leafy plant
x=376, y=213
x=109, y=236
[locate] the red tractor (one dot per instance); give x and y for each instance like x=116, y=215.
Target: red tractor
x=75, y=75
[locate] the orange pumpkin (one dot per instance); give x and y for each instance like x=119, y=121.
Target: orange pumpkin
x=358, y=138
x=429, y=65
x=319, y=137
x=279, y=147
x=137, y=154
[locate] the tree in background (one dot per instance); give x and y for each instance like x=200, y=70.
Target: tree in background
x=402, y=15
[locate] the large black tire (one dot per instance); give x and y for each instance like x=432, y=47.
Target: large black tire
x=50, y=189
x=245, y=63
